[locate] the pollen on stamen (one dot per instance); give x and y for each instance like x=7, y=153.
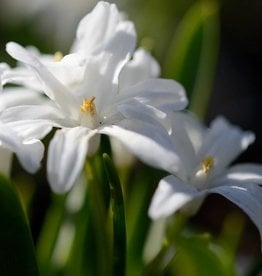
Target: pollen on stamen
x=58, y=56
x=207, y=164
x=88, y=106
x=203, y=172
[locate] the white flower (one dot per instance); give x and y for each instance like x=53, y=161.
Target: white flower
x=96, y=90
x=205, y=155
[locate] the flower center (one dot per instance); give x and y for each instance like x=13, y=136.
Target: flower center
x=203, y=172
x=58, y=56
x=88, y=114
x=207, y=165
x=88, y=106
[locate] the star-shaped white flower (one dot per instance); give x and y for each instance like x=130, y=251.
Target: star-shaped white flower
x=205, y=155
x=98, y=89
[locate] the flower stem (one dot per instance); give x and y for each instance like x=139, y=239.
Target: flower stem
x=98, y=219
x=118, y=217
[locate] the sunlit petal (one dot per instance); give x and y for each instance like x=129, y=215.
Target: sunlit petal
x=166, y=95
x=146, y=141
x=19, y=96
x=140, y=68
x=55, y=90
x=92, y=40
x=171, y=195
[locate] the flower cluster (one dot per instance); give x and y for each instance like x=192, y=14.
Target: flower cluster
x=105, y=86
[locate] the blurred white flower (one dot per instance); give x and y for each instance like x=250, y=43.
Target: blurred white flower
x=55, y=19
x=205, y=155
x=96, y=90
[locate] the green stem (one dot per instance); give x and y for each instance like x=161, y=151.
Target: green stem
x=100, y=245
x=118, y=213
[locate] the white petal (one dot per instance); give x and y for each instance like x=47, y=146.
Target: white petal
x=22, y=76
x=225, y=142
x=66, y=156
x=31, y=154
x=28, y=152
x=140, y=68
x=96, y=29
x=248, y=200
x=120, y=48
x=148, y=142
x=69, y=70
x=187, y=135
x=21, y=54
x=102, y=70
x=32, y=129
x=96, y=83
x=148, y=114
x=31, y=112
x=245, y=174
x=56, y=90
x=19, y=96
x=188, y=125
x=171, y=195
x=166, y=95
x=3, y=68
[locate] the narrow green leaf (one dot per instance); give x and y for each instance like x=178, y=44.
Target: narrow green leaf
x=17, y=256
x=193, y=53
x=118, y=213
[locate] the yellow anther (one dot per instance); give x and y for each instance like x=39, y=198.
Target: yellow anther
x=58, y=56
x=207, y=164
x=88, y=106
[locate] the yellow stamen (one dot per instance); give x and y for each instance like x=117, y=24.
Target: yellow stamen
x=88, y=106
x=207, y=164
x=58, y=56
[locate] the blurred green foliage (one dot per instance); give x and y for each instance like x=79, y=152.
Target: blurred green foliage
x=16, y=245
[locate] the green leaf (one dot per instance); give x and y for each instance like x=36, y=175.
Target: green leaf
x=192, y=56
x=17, y=256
